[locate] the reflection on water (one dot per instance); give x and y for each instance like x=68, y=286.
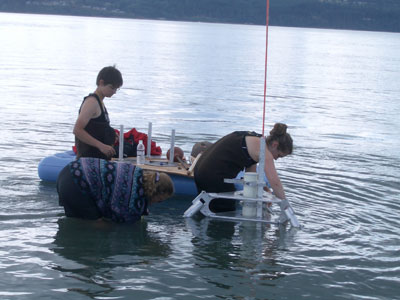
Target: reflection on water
x=337, y=91
x=247, y=251
x=86, y=242
x=95, y=249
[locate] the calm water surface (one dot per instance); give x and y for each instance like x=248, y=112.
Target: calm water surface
x=337, y=90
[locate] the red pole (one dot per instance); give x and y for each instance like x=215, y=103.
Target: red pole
x=266, y=59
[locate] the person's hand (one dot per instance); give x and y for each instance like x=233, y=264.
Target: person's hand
x=107, y=150
x=267, y=189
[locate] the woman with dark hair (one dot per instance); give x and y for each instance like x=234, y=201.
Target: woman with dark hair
x=94, y=137
x=93, y=188
x=236, y=151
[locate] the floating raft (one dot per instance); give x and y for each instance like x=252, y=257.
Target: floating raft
x=50, y=166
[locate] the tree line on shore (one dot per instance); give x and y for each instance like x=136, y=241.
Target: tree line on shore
x=374, y=15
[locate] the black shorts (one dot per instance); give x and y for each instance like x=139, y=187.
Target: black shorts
x=76, y=204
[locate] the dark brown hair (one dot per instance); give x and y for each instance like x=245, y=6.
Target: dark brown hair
x=278, y=133
x=110, y=75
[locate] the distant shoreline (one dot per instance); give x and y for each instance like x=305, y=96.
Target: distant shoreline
x=361, y=15
x=188, y=21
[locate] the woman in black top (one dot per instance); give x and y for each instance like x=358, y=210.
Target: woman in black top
x=234, y=152
x=94, y=137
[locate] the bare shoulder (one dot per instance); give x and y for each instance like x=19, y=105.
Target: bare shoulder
x=251, y=139
x=253, y=147
x=91, y=107
x=90, y=101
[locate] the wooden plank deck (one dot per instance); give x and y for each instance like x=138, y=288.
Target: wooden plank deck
x=161, y=165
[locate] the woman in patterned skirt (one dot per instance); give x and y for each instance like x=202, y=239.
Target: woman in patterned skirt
x=93, y=188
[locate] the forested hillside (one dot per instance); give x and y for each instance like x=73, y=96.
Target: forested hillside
x=380, y=15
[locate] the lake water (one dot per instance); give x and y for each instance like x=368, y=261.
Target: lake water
x=338, y=91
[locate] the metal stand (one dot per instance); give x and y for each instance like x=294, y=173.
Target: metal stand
x=202, y=201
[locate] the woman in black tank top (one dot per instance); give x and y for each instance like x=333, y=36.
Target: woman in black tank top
x=100, y=129
x=94, y=137
x=235, y=152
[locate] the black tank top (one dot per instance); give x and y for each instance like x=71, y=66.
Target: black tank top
x=100, y=129
x=224, y=159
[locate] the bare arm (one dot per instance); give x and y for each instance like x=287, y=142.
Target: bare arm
x=253, y=147
x=90, y=109
x=272, y=176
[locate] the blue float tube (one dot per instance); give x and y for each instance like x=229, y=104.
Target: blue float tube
x=50, y=166
x=184, y=185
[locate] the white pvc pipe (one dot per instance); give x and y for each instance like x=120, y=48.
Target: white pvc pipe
x=121, y=143
x=149, y=132
x=261, y=163
x=172, y=148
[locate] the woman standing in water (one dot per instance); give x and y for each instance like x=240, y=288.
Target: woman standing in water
x=94, y=137
x=238, y=150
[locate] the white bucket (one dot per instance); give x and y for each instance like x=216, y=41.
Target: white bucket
x=249, y=209
x=250, y=191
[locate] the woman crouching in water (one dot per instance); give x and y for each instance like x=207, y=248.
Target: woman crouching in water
x=93, y=188
x=237, y=151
